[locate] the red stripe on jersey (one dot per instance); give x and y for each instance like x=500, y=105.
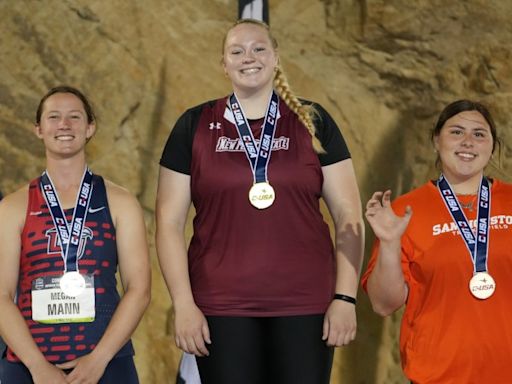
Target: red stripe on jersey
x=59, y=348
x=59, y=339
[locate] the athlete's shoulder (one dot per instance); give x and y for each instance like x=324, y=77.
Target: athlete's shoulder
x=419, y=196
x=304, y=101
x=120, y=198
x=318, y=108
x=123, y=205
x=186, y=124
x=501, y=185
x=20, y=195
x=116, y=191
x=199, y=108
x=13, y=207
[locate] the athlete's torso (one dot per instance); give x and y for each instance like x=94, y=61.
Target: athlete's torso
x=41, y=256
x=249, y=262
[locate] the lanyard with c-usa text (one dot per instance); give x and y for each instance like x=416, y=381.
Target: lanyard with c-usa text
x=478, y=247
x=69, y=235
x=482, y=284
x=258, y=156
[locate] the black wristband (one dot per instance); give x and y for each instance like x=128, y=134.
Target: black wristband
x=348, y=299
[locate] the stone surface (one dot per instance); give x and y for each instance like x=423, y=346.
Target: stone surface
x=382, y=68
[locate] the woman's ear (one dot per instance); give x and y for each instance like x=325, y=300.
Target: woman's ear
x=38, y=131
x=91, y=129
x=436, y=143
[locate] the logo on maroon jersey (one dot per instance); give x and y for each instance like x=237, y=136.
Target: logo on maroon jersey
x=215, y=125
x=54, y=242
x=226, y=144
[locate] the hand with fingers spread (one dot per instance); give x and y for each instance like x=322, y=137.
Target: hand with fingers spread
x=386, y=225
x=191, y=330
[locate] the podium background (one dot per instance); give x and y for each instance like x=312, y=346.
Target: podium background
x=383, y=69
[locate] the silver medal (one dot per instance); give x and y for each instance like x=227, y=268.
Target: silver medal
x=72, y=283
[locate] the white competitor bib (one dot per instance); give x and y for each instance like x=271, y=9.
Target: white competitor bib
x=50, y=305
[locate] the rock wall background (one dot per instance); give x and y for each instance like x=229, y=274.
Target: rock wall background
x=383, y=68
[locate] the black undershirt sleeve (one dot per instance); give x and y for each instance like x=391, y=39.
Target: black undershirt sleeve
x=177, y=153
x=329, y=134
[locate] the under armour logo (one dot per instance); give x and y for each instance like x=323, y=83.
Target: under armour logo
x=215, y=125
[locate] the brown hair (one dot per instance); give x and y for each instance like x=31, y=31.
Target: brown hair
x=91, y=118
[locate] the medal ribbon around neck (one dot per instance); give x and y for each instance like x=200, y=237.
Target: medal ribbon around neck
x=478, y=247
x=258, y=155
x=68, y=235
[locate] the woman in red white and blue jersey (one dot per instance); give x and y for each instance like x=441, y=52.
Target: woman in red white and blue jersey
x=63, y=237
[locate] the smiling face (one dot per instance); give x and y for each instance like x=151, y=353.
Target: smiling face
x=64, y=126
x=249, y=59
x=465, y=145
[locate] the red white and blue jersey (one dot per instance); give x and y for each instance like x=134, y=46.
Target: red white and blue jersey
x=244, y=261
x=41, y=256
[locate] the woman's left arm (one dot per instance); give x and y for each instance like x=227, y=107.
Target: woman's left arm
x=134, y=270
x=341, y=195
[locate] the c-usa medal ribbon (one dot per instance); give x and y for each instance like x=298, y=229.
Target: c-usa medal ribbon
x=72, y=283
x=481, y=285
x=261, y=194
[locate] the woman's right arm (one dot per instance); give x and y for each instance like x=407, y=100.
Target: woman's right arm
x=386, y=285
x=13, y=328
x=172, y=206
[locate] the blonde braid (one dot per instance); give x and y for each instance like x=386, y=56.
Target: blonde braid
x=304, y=112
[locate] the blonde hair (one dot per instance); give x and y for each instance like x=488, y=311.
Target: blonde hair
x=305, y=113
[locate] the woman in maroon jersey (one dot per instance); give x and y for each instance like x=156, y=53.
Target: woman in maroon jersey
x=63, y=237
x=262, y=295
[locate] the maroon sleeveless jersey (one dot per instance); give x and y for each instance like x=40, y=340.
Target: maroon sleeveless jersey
x=244, y=261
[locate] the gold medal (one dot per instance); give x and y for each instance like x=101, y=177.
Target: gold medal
x=482, y=285
x=72, y=283
x=262, y=195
